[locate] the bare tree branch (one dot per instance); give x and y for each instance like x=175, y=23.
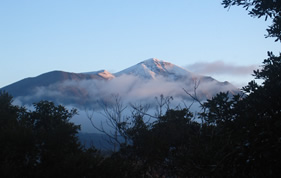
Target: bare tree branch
x=194, y=97
x=114, y=120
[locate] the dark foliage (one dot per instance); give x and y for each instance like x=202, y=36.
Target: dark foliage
x=42, y=143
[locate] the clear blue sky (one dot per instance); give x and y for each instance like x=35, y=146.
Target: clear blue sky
x=38, y=36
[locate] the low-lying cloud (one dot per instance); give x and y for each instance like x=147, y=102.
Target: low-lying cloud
x=221, y=68
x=131, y=89
x=88, y=95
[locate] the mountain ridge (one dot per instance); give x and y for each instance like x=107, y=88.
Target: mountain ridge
x=149, y=77
x=46, y=79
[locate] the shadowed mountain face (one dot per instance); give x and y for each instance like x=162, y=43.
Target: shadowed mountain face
x=27, y=86
x=142, y=81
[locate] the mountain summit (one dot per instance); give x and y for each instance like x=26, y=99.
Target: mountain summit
x=152, y=68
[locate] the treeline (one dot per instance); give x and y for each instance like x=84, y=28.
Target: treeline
x=238, y=137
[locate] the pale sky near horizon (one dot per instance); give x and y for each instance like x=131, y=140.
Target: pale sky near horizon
x=38, y=36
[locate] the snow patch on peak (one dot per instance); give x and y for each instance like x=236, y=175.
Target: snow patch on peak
x=148, y=73
x=166, y=68
x=154, y=63
x=106, y=74
x=102, y=73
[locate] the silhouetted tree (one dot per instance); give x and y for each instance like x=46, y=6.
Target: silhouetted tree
x=43, y=143
x=260, y=118
x=17, y=151
x=55, y=137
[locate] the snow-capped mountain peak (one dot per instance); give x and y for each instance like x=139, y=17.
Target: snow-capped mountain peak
x=156, y=64
x=153, y=67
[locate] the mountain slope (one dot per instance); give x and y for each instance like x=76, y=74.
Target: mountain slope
x=27, y=86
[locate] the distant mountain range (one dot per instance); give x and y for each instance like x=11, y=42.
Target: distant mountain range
x=141, y=82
